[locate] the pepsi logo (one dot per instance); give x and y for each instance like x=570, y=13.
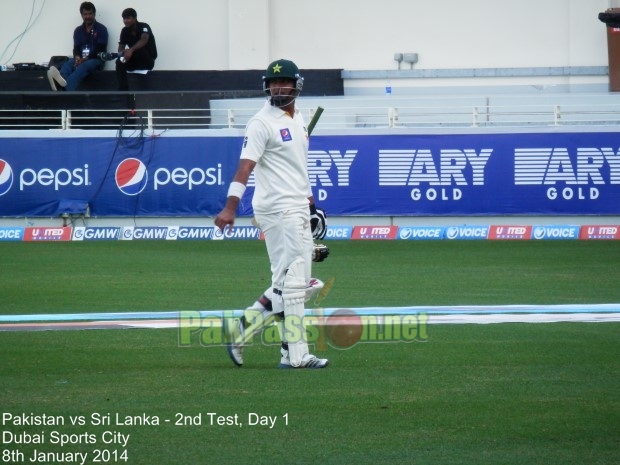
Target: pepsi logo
x=131, y=176
x=218, y=234
x=6, y=177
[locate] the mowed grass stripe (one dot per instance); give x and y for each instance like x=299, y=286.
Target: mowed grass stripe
x=201, y=275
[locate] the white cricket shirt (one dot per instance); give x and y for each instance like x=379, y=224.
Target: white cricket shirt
x=279, y=146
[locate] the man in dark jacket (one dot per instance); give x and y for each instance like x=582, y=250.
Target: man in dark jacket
x=89, y=39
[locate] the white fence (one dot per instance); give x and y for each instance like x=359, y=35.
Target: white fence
x=342, y=114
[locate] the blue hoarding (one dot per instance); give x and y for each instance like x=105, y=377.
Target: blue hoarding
x=396, y=175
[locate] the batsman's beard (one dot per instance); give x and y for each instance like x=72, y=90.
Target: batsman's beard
x=281, y=100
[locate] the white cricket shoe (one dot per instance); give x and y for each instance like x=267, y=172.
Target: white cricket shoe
x=313, y=287
x=308, y=361
x=233, y=332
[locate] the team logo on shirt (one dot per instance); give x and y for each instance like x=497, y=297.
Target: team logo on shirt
x=286, y=135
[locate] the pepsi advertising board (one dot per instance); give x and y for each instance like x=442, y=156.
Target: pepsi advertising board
x=374, y=175
x=161, y=177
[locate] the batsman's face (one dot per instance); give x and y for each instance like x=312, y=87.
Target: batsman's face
x=283, y=92
x=281, y=87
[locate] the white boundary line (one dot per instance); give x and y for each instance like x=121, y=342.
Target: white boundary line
x=429, y=310
x=600, y=313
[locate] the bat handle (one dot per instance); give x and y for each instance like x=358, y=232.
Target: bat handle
x=315, y=119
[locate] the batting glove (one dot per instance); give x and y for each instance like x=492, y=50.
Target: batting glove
x=320, y=252
x=318, y=222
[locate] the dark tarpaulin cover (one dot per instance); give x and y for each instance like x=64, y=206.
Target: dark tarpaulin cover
x=611, y=19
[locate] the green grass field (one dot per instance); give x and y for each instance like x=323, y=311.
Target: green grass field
x=470, y=394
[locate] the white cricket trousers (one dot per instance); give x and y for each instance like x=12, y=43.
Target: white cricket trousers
x=287, y=237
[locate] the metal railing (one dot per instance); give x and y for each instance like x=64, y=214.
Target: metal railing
x=338, y=118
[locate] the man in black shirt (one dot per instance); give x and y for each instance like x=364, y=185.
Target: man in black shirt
x=137, y=45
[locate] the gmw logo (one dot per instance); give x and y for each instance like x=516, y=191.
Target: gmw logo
x=132, y=176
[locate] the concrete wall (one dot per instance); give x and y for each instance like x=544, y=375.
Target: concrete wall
x=321, y=34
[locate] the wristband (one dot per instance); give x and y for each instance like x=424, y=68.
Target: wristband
x=236, y=189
